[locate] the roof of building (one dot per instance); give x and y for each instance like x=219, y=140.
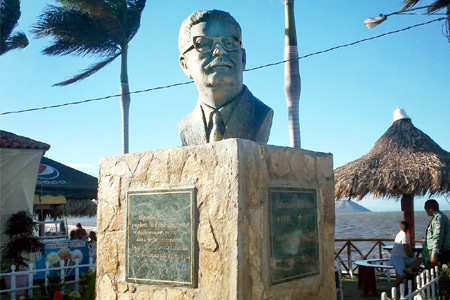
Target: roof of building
x=14, y=141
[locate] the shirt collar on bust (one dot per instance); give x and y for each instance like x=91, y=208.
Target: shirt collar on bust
x=226, y=110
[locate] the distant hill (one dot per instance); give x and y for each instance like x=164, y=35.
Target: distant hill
x=345, y=206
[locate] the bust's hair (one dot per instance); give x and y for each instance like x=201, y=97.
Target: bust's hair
x=203, y=16
x=433, y=204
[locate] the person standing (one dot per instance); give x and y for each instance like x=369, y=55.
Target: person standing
x=92, y=246
x=437, y=234
x=81, y=232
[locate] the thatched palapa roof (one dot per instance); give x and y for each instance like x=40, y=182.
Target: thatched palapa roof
x=404, y=161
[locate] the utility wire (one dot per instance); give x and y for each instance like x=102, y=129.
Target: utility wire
x=347, y=45
x=94, y=99
x=247, y=70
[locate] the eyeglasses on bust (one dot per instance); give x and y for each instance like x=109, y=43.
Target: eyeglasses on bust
x=206, y=44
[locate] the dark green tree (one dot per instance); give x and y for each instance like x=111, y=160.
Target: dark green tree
x=102, y=28
x=9, y=19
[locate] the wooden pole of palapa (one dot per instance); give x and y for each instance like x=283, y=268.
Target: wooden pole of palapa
x=407, y=205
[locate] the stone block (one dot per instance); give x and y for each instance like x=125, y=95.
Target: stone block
x=232, y=179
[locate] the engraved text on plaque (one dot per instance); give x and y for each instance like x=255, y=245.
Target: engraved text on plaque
x=294, y=236
x=160, y=235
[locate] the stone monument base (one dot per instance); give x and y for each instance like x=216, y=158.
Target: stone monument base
x=243, y=221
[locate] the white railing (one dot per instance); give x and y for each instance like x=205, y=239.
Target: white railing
x=426, y=287
x=64, y=270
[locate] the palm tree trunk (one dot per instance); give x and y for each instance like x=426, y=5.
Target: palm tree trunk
x=292, y=83
x=125, y=99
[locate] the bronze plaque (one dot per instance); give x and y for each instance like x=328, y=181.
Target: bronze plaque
x=160, y=237
x=294, y=235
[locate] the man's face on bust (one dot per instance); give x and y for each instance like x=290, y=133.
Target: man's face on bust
x=218, y=64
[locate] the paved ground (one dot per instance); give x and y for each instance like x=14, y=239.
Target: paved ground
x=351, y=291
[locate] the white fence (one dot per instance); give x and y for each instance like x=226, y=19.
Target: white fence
x=64, y=271
x=426, y=287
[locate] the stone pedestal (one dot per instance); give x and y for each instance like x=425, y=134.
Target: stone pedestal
x=235, y=182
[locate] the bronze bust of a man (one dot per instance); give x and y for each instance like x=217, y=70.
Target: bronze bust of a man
x=211, y=54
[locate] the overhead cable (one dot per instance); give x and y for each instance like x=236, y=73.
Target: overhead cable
x=247, y=70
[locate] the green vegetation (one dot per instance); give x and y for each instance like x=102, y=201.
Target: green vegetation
x=444, y=284
x=432, y=8
x=9, y=19
x=86, y=292
x=101, y=28
x=19, y=228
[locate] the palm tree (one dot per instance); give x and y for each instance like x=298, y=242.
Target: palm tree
x=432, y=8
x=435, y=6
x=9, y=17
x=102, y=28
x=292, y=83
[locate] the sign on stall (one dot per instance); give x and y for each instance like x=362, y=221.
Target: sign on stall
x=66, y=250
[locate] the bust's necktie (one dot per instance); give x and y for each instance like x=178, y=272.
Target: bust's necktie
x=216, y=126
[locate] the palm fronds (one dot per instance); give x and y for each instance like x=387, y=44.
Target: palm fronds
x=17, y=41
x=9, y=17
x=89, y=71
x=409, y=4
x=89, y=27
x=432, y=8
x=93, y=27
x=438, y=5
x=74, y=32
x=133, y=20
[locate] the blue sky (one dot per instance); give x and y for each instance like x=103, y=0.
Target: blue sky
x=347, y=101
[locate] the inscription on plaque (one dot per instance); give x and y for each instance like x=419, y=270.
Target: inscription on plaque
x=160, y=232
x=294, y=236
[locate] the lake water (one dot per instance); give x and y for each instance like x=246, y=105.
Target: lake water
x=383, y=225
x=377, y=224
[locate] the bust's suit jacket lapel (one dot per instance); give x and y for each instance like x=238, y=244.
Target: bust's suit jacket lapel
x=250, y=119
x=192, y=128
x=240, y=122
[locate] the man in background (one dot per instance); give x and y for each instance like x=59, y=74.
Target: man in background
x=437, y=234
